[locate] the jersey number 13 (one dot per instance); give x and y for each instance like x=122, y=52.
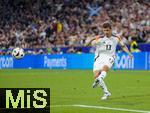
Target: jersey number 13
x=108, y=47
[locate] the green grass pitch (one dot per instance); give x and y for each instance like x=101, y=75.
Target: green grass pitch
x=130, y=89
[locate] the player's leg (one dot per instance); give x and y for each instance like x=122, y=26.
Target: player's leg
x=99, y=76
x=100, y=71
x=102, y=84
x=101, y=67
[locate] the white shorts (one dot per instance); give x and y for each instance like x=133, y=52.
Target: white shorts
x=102, y=60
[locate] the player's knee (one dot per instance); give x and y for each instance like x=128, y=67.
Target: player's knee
x=105, y=68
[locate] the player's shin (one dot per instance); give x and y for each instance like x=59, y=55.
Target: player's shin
x=103, y=85
x=101, y=82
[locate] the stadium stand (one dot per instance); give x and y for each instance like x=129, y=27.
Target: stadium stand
x=58, y=26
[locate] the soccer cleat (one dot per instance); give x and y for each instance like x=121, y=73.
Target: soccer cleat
x=96, y=82
x=106, y=95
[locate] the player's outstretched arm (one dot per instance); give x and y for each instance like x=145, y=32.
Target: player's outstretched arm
x=124, y=48
x=127, y=51
x=90, y=42
x=93, y=41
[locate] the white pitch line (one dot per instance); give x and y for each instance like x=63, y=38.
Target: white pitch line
x=102, y=107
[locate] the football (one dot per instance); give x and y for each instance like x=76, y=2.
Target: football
x=18, y=53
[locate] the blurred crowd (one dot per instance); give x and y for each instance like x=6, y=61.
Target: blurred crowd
x=68, y=23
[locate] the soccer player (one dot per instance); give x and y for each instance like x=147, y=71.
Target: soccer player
x=105, y=56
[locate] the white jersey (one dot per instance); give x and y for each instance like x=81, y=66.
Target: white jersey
x=105, y=51
x=106, y=46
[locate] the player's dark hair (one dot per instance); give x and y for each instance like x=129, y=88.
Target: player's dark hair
x=106, y=25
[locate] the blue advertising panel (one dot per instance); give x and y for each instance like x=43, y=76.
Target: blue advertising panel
x=123, y=61
x=6, y=62
x=68, y=61
x=141, y=61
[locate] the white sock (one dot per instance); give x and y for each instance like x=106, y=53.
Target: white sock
x=103, y=85
x=102, y=75
x=101, y=82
